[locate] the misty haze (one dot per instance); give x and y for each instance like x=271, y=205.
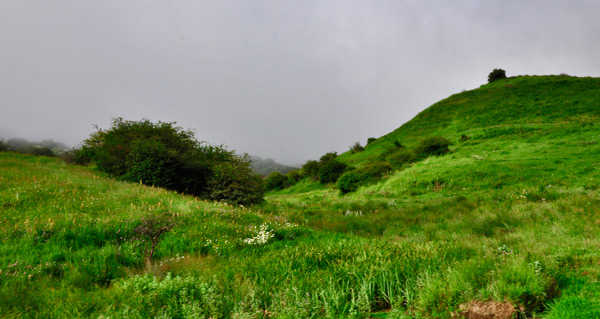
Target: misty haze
x=299, y=159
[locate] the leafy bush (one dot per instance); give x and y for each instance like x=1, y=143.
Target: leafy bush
x=375, y=171
x=349, y=182
x=234, y=182
x=401, y=157
x=294, y=176
x=76, y=156
x=436, y=145
x=276, y=181
x=371, y=140
x=311, y=169
x=331, y=170
x=356, y=148
x=165, y=155
x=328, y=157
x=496, y=74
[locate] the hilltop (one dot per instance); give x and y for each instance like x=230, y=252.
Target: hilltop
x=513, y=107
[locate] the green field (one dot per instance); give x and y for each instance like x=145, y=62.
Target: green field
x=510, y=214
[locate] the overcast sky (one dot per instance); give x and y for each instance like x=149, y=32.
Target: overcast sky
x=289, y=80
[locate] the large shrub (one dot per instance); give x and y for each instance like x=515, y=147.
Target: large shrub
x=400, y=157
x=436, y=145
x=294, y=176
x=311, y=169
x=3, y=146
x=165, y=155
x=330, y=169
x=496, y=74
x=356, y=147
x=276, y=181
x=350, y=181
x=235, y=182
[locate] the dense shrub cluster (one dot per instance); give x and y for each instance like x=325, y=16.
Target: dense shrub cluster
x=350, y=181
x=326, y=170
x=276, y=181
x=356, y=147
x=400, y=157
x=330, y=169
x=395, y=158
x=165, y=155
x=496, y=74
x=436, y=146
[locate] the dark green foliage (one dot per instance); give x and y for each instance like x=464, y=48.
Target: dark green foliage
x=397, y=144
x=294, y=176
x=496, y=74
x=234, y=181
x=76, y=156
x=349, y=182
x=311, y=169
x=356, y=147
x=328, y=157
x=464, y=138
x=165, y=155
x=3, y=146
x=331, y=170
x=401, y=157
x=276, y=181
x=371, y=140
x=436, y=145
x=374, y=171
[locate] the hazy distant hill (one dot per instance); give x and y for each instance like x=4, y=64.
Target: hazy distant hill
x=266, y=166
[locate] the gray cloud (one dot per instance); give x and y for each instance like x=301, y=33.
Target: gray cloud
x=289, y=80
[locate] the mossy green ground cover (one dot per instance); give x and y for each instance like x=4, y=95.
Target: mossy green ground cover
x=511, y=214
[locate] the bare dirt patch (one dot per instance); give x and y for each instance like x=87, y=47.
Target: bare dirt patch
x=486, y=310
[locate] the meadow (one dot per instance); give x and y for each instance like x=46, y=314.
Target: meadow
x=511, y=214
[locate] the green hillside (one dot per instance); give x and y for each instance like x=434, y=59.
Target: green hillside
x=510, y=217
x=520, y=106
x=519, y=134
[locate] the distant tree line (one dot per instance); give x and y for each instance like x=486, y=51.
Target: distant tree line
x=264, y=167
x=44, y=148
x=329, y=170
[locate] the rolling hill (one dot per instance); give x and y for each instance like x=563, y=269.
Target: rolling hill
x=509, y=218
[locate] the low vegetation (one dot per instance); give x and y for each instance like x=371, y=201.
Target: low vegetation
x=506, y=218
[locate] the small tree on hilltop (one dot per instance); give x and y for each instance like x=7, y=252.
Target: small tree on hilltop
x=496, y=74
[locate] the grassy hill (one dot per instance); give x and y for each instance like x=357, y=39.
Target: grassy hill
x=509, y=216
x=520, y=106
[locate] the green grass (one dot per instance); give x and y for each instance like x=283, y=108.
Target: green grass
x=512, y=214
